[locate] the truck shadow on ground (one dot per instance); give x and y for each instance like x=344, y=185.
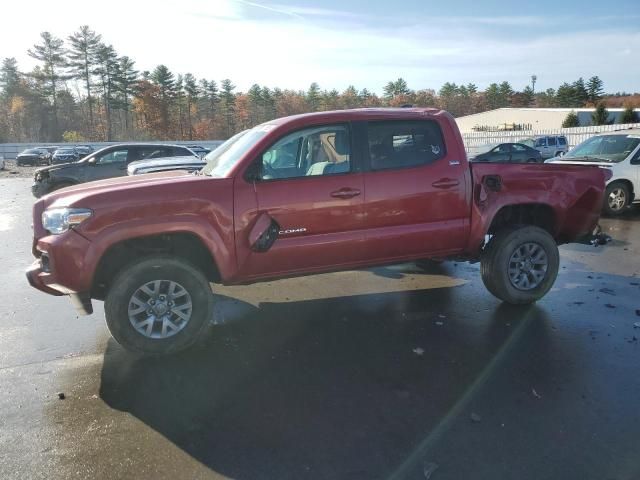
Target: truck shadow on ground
x=333, y=388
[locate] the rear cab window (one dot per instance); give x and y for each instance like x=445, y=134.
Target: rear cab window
x=402, y=144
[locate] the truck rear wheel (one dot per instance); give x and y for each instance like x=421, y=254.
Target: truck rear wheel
x=520, y=264
x=158, y=305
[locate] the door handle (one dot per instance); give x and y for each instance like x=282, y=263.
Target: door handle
x=445, y=183
x=346, y=193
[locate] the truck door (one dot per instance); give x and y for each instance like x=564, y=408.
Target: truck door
x=415, y=190
x=308, y=187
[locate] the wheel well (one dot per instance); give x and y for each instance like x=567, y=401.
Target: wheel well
x=181, y=245
x=629, y=185
x=536, y=214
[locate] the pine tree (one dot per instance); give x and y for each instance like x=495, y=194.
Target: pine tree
x=594, y=89
x=9, y=78
x=255, y=104
x=571, y=120
x=628, y=115
x=166, y=83
x=192, y=91
x=51, y=53
x=601, y=115
x=82, y=57
x=528, y=96
x=228, y=98
x=581, y=95
x=506, y=92
x=106, y=66
x=313, y=97
x=126, y=81
x=567, y=96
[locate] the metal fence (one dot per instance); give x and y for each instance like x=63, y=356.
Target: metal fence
x=473, y=140
x=10, y=150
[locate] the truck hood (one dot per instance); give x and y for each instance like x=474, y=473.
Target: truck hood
x=117, y=188
x=57, y=166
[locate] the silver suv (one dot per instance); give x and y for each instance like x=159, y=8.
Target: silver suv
x=549, y=146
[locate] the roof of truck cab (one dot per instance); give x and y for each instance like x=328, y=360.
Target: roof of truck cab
x=358, y=114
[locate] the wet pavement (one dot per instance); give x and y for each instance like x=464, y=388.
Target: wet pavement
x=383, y=373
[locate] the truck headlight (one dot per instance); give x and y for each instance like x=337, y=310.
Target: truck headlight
x=59, y=220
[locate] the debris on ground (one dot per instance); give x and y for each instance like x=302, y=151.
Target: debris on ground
x=535, y=394
x=61, y=395
x=608, y=291
x=439, y=323
x=578, y=303
x=418, y=351
x=638, y=312
x=637, y=324
x=475, y=418
x=429, y=468
x=609, y=305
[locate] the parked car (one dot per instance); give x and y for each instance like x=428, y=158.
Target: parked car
x=548, y=145
x=618, y=152
x=84, y=150
x=507, y=153
x=190, y=163
x=111, y=161
x=198, y=150
x=64, y=155
x=33, y=156
x=304, y=194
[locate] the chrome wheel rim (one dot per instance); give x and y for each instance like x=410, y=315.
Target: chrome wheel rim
x=160, y=309
x=617, y=199
x=528, y=266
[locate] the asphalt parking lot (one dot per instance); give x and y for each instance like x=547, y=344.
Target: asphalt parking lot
x=385, y=373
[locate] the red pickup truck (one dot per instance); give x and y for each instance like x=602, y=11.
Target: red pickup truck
x=304, y=194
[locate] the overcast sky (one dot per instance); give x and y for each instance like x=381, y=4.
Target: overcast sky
x=290, y=44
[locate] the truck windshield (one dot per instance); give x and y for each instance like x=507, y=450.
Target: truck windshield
x=610, y=148
x=221, y=160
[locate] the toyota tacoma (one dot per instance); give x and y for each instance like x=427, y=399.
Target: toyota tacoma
x=309, y=193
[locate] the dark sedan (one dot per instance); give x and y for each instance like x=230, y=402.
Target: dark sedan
x=33, y=156
x=507, y=153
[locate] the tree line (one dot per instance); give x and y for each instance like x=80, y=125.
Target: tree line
x=83, y=90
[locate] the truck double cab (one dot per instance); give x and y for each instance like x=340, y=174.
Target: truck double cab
x=309, y=193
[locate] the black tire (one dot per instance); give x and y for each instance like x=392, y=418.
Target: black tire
x=616, y=199
x=495, y=263
x=140, y=273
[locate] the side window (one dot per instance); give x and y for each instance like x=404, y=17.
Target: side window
x=114, y=156
x=541, y=142
x=401, y=144
x=518, y=148
x=562, y=141
x=314, y=151
x=180, y=152
x=552, y=141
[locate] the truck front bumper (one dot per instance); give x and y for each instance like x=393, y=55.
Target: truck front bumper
x=61, y=269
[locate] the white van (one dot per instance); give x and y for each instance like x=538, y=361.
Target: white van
x=618, y=151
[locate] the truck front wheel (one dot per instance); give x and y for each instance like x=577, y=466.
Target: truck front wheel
x=520, y=264
x=158, y=305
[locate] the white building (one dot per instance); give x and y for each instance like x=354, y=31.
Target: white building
x=530, y=118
